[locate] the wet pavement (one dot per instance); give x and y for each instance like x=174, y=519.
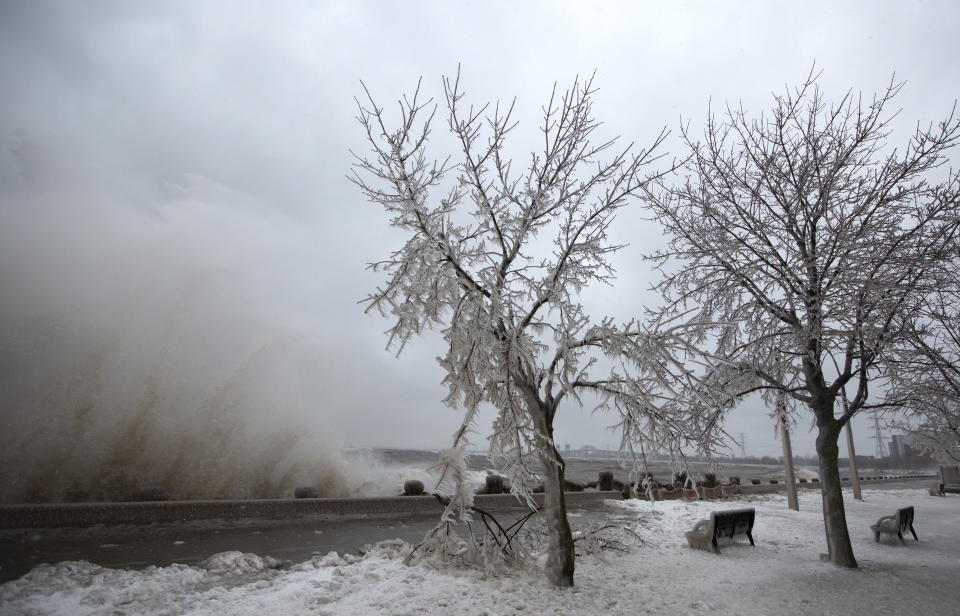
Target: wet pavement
x=136, y=547
x=189, y=543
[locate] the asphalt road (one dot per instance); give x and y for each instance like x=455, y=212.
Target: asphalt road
x=191, y=542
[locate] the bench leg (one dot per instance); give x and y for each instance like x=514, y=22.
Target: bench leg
x=900, y=538
x=915, y=538
x=714, y=545
x=750, y=537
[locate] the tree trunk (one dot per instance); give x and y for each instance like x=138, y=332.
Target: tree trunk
x=560, y=551
x=840, y=551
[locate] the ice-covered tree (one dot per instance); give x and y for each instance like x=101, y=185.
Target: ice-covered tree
x=807, y=238
x=925, y=377
x=495, y=258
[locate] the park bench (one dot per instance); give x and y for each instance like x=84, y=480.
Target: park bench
x=895, y=524
x=949, y=480
x=723, y=526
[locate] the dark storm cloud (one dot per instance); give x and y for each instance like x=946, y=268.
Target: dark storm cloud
x=174, y=204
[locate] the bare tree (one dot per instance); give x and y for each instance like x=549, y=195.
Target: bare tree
x=497, y=262
x=925, y=376
x=813, y=244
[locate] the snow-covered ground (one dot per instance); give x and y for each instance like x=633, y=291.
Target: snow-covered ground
x=781, y=575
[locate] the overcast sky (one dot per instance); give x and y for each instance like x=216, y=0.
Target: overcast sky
x=175, y=220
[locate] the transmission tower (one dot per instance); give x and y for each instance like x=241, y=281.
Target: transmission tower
x=881, y=448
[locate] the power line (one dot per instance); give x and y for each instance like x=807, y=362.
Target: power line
x=881, y=447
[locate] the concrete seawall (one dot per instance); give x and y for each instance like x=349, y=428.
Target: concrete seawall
x=91, y=514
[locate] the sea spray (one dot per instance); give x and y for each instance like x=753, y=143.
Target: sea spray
x=142, y=346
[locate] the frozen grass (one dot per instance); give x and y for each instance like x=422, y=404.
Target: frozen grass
x=781, y=575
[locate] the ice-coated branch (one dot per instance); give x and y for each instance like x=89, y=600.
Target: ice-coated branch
x=808, y=232
x=924, y=377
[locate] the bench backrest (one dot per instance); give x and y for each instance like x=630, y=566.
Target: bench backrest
x=950, y=475
x=726, y=524
x=905, y=518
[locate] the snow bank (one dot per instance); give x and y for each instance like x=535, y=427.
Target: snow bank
x=782, y=574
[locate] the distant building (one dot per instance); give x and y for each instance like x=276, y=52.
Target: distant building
x=901, y=446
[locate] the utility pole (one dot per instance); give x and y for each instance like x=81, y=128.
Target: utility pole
x=789, y=476
x=743, y=446
x=854, y=472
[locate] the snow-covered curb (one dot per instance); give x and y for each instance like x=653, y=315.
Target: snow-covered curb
x=782, y=574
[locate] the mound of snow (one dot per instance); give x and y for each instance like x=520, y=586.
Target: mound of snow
x=239, y=562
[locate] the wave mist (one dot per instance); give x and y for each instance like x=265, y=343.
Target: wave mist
x=161, y=341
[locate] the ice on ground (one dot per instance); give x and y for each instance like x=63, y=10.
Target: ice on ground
x=782, y=574
x=239, y=562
